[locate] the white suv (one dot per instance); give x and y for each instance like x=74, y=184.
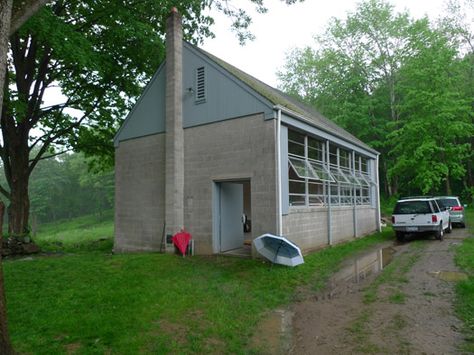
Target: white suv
x=418, y=215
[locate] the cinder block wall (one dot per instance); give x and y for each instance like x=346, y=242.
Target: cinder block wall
x=342, y=224
x=307, y=227
x=366, y=220
x=139, y=193
x=237, y=148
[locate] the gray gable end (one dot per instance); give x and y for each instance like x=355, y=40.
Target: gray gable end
x=226, y=97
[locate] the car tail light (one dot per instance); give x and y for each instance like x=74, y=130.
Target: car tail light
x=457, y=208
x=393, y=219
x=434, y=218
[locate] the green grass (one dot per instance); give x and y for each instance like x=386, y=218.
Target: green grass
x=465, y=289
x=95, y=302
x=78, y=234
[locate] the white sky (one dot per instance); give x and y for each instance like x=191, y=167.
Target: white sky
x=286, y=27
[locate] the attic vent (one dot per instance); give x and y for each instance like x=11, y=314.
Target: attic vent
x=200, y=85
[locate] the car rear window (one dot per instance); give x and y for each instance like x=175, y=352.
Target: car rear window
x=412, y=207
x=448, y=202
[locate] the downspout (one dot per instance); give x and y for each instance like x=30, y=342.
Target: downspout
x=278, y=140
x=377, y=187
x=329, y=196
x=354, y=212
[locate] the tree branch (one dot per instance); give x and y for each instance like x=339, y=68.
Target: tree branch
x=23, y=12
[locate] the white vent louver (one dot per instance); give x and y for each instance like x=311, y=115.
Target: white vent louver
x=200, y=85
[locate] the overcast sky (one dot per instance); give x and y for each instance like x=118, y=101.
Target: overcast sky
x=285, y=27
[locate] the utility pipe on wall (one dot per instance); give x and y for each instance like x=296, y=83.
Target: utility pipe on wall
x=278, y=140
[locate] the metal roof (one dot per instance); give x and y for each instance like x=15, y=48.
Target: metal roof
x=279, y=98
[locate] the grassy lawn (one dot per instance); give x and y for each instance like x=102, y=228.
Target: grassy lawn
x=94, y=302
x=465, y=289
x=83, y=233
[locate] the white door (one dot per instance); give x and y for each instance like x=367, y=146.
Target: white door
x=231, y=210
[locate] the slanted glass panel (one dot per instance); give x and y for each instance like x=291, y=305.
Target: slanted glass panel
x=338, y=176
x=369, y=179
x=302, y=168
x=322, y=171
x=350, y=176
x=315, y=149
x=361, y=178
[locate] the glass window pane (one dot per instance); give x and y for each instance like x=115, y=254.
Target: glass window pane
x=350, y=177
x=339, y=176
x=361, y=178
x=321, y=171
x=296, y=148
x=302, y=168
x=297, y=187
x=316, y=200
x=296, y=136
x=315, y=188
x=344, y=160
x=297, y=200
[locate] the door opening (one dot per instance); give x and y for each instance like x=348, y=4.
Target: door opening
x=233, y=217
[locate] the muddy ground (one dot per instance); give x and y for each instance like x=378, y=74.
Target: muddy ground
x=393, y=299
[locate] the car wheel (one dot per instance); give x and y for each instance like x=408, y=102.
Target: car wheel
x=400, y=236
x=450, y=227
x=440, y=232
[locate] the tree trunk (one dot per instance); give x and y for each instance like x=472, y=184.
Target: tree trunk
x=19, y=208
x=5, y=344
x=448, y=186
x=5, y=18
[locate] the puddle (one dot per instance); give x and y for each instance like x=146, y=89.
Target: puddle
x=357, y=270
x=273, y=334
x=453, y=276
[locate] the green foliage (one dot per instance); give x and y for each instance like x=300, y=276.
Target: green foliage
x=90, y=232
x=403, y=86
x=65, y=187
x=153, y=303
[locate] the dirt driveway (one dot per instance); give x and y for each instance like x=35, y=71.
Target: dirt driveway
x=407, y=308
x=397, y=299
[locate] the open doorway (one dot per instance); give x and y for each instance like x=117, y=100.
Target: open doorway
x=232, y=217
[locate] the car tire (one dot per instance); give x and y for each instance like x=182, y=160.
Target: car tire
x=440, y=232
x=450, y=227
x=400, y=236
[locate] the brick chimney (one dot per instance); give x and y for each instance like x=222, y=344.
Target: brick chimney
x=174, y=163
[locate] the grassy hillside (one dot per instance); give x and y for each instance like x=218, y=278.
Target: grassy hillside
x=84, y=233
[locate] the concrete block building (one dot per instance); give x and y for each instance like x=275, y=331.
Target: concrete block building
x=213, y=150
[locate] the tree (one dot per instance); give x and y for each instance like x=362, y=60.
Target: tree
x=353, y=73
x=432, y=144
x=100, y=54
x=398, y=84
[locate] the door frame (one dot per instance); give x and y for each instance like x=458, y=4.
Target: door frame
x=216, y=208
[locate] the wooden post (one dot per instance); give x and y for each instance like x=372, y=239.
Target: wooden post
x=5, y=344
